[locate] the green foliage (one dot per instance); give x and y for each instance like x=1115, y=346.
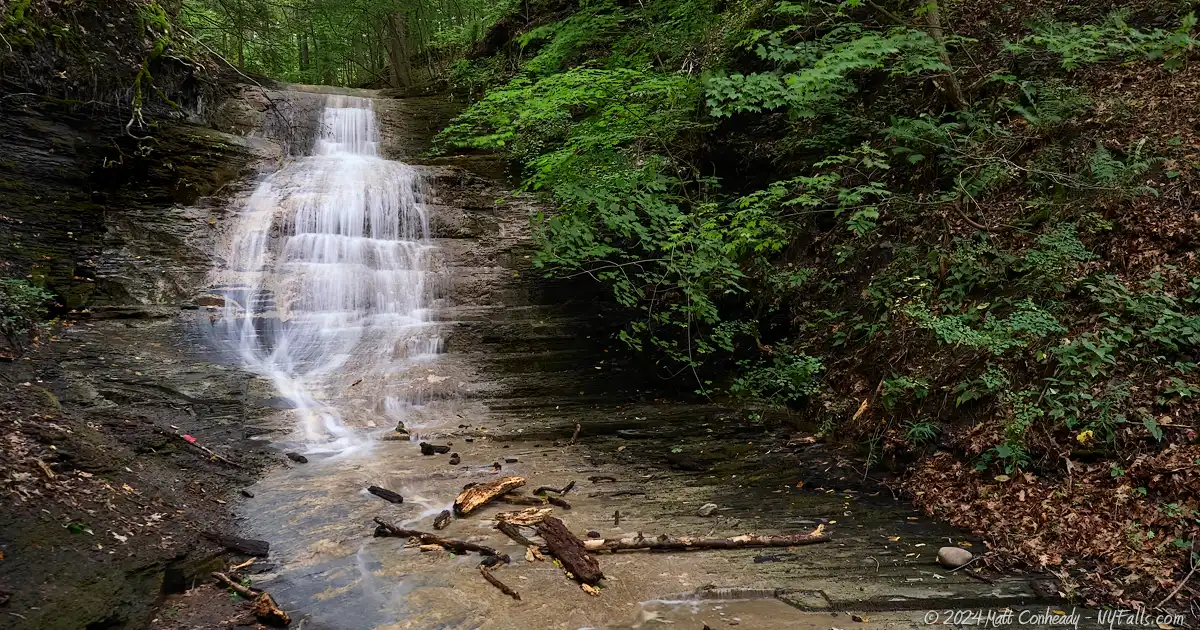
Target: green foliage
x=1113, y=39
x=23, y=307
x=786, y=378
x=823, y=69
x=920, y=433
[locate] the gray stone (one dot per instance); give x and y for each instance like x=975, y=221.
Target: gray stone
x=953, y=557
x=707, y=509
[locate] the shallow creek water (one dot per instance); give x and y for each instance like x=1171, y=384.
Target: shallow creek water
x=337, y=293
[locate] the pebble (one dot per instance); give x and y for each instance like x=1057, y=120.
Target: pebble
x=454, y=459
x=298, y=458
x=953, y=557
x=707, y=509
x=247, y=494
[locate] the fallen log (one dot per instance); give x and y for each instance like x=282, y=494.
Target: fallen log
x=687, y=543
x=480, y=494
x=570, y=551
x=386, y=529
x=385, y=494
x=245, y=546
x=442, y=520
x=484, y=569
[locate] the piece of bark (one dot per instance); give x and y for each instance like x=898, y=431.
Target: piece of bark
x=245, y=546
x=494, y=581
x=575, y=435
x=570, y=551
x=480, y=494
x=298, y=458
x=267, y=612
x=528, y=516
x=386, y=529
x=562, y=503
x=617, y=518
x=685, y=543
x=433, y=449
x=247, y=494
x=385, y=494
x=442, y=520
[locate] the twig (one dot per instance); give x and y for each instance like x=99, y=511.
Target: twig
x=209, y=451
x=494, y=581
x=1179, y=587
x=244, y=591
x=575, y=435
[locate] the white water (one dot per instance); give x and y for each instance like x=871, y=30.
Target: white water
x=325, y=275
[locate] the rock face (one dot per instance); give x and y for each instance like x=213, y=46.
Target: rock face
x=103, y=219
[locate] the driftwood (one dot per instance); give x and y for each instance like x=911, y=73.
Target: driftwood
x=386, y=529
x=565, y=489
x=442, y=520
x=575, y=435
x=513, y=532
x=570, y=551
x=385, y=494
x=265, y=610
x=685, y=543
x=241, y=545
x=472, y=498
x=520, y=499
x=485, y=570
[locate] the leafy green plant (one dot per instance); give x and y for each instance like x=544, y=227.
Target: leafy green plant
x=1079, y=45
x=919, y=433
x=786, y=378
x=23, y=307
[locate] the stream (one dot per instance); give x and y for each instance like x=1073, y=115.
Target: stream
x=368, y=293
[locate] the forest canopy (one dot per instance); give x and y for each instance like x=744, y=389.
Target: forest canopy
x=396, y=43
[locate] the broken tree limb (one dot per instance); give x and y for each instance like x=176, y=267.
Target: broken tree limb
x=386, y=529
x=244, y=591
x=513, y=532
x=520, y=499
x=484, y=569
x=570, y=551
x=241, y=545
x=480, y=494
x=385, y=494
x=686, y=543
x=265, y=610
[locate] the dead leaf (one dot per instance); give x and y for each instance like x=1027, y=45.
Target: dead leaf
x=590, y=590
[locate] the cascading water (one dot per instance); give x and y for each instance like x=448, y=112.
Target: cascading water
x=326, y=273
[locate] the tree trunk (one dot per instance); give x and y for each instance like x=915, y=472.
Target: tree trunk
x=952, y=89
x=303, y=52
x=397, y=47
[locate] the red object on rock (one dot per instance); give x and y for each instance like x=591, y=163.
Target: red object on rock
x=189, y=439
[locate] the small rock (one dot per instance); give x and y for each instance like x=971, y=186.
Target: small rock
x=593, y=534
x=510, y=460
x=400, y=428
x=442, y=520
x=859, y=618
x=707, y=509
x=298, y=458
x=247, y=494
x=454, y=459
x=953, y=557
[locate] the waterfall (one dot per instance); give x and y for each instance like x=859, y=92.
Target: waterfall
x=325, y=273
